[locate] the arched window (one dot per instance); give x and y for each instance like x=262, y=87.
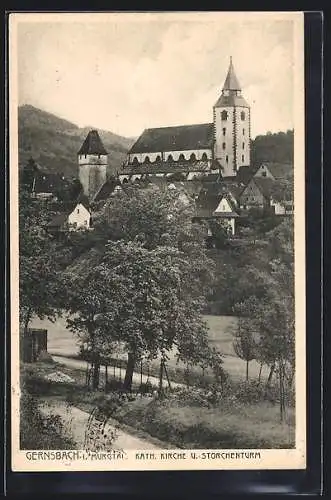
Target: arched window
x=224, y=131
x=223, y=145
x=193, y=157
x=227, y=159
x=170, y=158
x=204, y=157
x=242, y=158
x=243, y=131
x=181, y=157
x=147, y=160
x=135, y=160
x=224, y=115
x=158, y=158
x=243, y=145
x=242, y=115
x=125, y=180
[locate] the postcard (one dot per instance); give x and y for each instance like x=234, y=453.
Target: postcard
x=157, y=241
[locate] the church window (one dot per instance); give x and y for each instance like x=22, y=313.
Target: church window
x=223, y=145
x=170, y=158
x=242, y=115
x=181, y=157
x=227, y=159
x=193, y=157
x=242, y=158
x=84, y=156
x=243, y=145
x=243, y=131
x=204, y=157
x=135, y=160
x=224, y=115
x=224, y=131
x=158, y=158
x=146, y=160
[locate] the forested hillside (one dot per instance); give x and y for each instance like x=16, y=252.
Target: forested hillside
x=278, y=148
x=54, y=142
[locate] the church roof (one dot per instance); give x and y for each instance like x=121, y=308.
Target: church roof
x=231, y=81
x=179, y=138
x=92, y=145
x=231, y=100
x=232, y=84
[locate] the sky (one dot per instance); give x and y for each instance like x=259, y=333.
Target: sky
x=127, y=72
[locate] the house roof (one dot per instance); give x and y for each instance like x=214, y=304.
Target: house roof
x=264, y=185
x=92, y=145
x=106, y=190
x=47, y=183
x=179, y=138
x=207, y=203
x=244, y=174
x=279, y=170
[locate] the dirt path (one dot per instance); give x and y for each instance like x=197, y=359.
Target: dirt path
x=76, y=363
x=87, y=433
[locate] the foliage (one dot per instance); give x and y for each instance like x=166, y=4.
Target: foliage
x=41, y=260
x=272, y=314
x=147, y=291
x=41, y=432
x=277, y=147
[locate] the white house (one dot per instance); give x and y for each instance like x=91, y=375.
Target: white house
x=80, y=217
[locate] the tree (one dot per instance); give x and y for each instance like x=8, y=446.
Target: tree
x=41, y=260
x=272, y=311
x=147, y=290
x=247, y=331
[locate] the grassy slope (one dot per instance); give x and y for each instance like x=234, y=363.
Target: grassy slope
x=230, y=424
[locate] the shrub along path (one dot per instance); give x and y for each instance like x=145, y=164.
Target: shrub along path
x=79, y=425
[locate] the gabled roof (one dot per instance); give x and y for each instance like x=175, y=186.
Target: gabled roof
x=279, y=171
x=244, y=174
x=92, y=145
x=264, y=185
x=106, y=190
x=180, y=138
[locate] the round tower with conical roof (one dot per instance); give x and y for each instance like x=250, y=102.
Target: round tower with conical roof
x=232, y=127
x=92, y=161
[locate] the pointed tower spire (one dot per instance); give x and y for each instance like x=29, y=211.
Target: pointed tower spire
x=231, y=81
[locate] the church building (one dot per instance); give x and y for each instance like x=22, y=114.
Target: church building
x=221, y=146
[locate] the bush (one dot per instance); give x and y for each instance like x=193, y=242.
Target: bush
x=39, y=432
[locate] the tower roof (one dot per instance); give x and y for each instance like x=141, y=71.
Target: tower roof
x=92, y=145
x=231, y=81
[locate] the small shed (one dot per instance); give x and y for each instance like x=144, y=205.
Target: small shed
x=33, y=341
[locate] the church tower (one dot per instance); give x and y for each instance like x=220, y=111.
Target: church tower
x=92, y=161
x=232, y=127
